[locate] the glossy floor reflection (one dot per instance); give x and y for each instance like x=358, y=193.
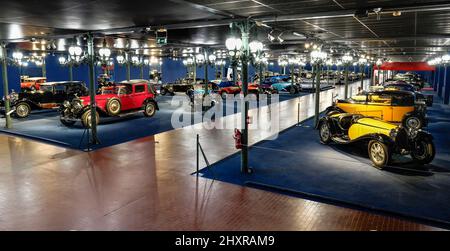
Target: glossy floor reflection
x=146, y=184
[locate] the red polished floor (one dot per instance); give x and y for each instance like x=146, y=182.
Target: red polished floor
x=145, y=185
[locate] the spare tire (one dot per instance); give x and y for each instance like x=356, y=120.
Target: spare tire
x=113, y=107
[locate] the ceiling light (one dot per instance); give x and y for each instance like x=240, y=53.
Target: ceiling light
x=62, y=60
x=255, y=46
x=396, y=13
x=233, y=43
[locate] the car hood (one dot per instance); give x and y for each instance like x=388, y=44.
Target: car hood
x=98, y=97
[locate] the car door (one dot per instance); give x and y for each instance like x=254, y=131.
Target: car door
x=379, y=105
x=139, y=95
x=401, y=105
x=125, y=96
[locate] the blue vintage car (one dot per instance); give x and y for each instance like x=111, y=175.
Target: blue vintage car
x=281, y=83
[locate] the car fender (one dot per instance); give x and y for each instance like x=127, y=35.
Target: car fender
x=415, y=113
x=153, y=101
x=424, y=135
x=334, y=109
x=332, y=125
x=29, y=102
x=376, y=136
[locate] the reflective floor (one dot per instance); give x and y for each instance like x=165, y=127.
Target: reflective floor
x=146, y=184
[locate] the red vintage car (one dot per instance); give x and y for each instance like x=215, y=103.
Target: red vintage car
x=32, y=84
x=123, y=99
x=227, y=88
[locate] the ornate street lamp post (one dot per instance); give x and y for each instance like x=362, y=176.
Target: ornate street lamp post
x=241, y=49
x=346, y=60
x=362, y=63
x=4, y=62
x=379, y=63
x=317, y=60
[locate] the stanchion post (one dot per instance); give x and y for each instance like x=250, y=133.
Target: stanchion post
x=197, y=153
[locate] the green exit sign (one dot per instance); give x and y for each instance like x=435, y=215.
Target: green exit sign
x=161, y=40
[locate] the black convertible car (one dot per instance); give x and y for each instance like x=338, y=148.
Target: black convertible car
x=50, y=95
x=181, y=85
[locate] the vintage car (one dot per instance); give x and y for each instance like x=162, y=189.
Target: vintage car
x=127, y=97
x=180, y=85
x=410, y=78
x=382, y=138
x=403, y=86
x=390, y=106
x=281, y=83
x=49, y=96
x=308, y=85
x=227, y=88
x=32, y=84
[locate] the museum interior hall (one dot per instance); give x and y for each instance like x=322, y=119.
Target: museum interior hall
x=230, y=115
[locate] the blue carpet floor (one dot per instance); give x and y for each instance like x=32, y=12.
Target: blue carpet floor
x=45, y=126
x=297, y=164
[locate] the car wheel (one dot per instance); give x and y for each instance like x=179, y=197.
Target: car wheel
x=413, y=122
x=67, y=123
x=149, y=109
x=163, y=92
x=86, y=119
x=324, y=133
x=292, y=90
x=113, y=107
x=424, y=151
x=23, y=110
x=378, y=153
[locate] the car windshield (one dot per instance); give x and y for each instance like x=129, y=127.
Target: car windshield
x=46, y=88
x=380, y=98
x=359, y=98
x=108, y=91
x=123, y=90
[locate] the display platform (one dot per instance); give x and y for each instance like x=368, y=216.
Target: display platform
x=44, y=125
x=297, y=164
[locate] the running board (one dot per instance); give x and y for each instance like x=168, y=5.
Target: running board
x=129, y=113
x=339, y=140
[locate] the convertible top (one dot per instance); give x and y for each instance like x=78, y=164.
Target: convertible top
x=60, y=83
x=135, y=81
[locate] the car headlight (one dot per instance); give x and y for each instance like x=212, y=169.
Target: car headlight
x=77, y=104
x=393, y=134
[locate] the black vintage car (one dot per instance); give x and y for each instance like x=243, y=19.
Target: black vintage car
x=50, y=95
x=180, y=85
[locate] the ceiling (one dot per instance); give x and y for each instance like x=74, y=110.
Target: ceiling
x=421, y=30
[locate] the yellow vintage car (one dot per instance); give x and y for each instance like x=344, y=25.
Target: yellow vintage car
x=382, y=138
x=391, y=106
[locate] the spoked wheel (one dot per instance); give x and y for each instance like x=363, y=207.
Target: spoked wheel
x=325, y=134
x=149, y=109
x=424, y=151
x=379, y=154
x=113, y=107
x=413, y=122
x=23, y=110
x=86, y=119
